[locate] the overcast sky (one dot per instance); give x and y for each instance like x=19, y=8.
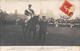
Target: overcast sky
x=10, y=6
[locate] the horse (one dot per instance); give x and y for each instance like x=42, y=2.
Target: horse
x=31, y=26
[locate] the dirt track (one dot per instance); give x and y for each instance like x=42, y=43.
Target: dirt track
x=61, y=36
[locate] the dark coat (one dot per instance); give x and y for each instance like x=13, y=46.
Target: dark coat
x=43, y=26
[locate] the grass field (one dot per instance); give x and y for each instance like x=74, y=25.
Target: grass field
x=61, y=36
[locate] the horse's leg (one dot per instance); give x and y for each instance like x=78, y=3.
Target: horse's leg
x=26, y=28
x=23, y=29
x=24, y=35
x=40, y=35
x=34, y=34
x=29, y=33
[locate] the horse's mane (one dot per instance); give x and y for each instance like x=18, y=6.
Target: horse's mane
x=33, y=19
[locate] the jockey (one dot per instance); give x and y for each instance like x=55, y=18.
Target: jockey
x=29, y=12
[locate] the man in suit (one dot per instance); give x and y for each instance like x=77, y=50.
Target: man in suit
x=43, y=28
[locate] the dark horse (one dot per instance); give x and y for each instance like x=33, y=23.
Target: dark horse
x=31, y=26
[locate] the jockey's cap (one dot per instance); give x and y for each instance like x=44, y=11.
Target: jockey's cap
x=29, y=5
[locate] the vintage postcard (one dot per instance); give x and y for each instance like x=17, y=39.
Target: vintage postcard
x=39, y=25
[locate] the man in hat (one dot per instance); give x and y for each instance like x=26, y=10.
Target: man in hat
x=43, y=28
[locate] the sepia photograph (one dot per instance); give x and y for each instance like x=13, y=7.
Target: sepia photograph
x=40, y=23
